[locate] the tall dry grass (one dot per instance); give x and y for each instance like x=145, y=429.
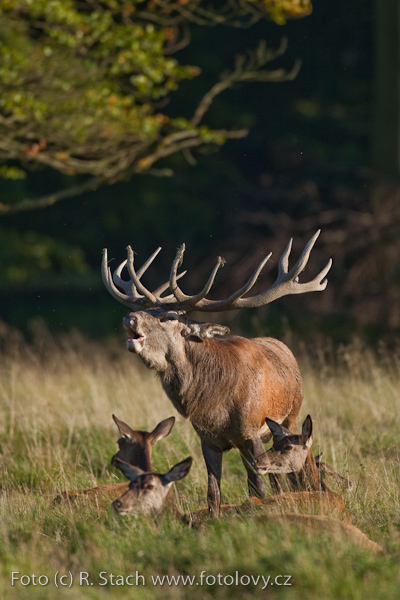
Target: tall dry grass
x=56, y=432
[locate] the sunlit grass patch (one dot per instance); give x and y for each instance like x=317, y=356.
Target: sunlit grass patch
x=56, y=433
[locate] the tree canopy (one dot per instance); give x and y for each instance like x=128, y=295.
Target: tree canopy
x=85, y=84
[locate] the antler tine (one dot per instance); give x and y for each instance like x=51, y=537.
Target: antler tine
x=165, y=286
x=283, y=266
x=173, y=278
x=108, y=281
x=249, y=284
x=198, y=297
x=127, y=286
x=287, y=281
x=229, y=302
x=136, y=296
x=319, y=282
x=305, y=255
x=148, y=262
x=135, y=277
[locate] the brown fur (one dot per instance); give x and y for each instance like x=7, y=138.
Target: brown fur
x=315, y=502
x=318, y=523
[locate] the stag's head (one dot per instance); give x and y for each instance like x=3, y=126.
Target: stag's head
x=289, y=451
x=156, y=317
x=147, y=492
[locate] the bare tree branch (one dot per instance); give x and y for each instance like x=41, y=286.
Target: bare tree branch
x=50, y=199
x=171, y=145
x=247, y=69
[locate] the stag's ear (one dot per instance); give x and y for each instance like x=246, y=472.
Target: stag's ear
x=162, y=430
x=206, y=331
x=124, y=430
x=177, y=472
x=278, y=431
x=306, y=432
x=130, y=471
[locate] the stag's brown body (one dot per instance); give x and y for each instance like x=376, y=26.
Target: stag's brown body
x=225, y=387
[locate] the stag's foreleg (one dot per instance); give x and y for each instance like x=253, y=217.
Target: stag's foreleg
x=251, y=449
x=213, y=460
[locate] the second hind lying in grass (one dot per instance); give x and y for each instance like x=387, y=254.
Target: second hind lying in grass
x=291, y=455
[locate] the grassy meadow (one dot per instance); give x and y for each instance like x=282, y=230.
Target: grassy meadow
x=56, y=433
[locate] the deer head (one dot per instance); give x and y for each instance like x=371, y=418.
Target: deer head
x=289, y=451
x=147, y=491
x=135, y=446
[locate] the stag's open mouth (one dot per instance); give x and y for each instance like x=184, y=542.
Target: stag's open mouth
x=135, y=340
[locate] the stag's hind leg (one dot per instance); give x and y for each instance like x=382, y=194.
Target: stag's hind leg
x=250, y=450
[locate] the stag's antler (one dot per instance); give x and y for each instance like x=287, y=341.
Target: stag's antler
x=137, y=297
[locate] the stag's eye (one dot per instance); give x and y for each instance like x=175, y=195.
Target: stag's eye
x=168, y=318
x=150, y=487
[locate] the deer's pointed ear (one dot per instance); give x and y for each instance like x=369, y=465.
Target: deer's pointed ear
x=206, y=331
x=124, y=430
x=162, y=430
x=179, y=471
x=306, y=431
x=318, y=459
x=278, y=431
x=130, y=471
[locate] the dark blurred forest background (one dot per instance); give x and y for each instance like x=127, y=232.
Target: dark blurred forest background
x=320, y=153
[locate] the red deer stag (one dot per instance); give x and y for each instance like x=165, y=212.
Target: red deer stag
x=135, y=448
x=226, y=387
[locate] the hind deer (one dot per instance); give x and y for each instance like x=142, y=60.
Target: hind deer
x=149, y=493
x=292, y=455
x=225, y=387
x=135, y=448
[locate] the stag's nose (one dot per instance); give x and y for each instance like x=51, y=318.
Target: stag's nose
x=117, y=504
x=129, y=321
